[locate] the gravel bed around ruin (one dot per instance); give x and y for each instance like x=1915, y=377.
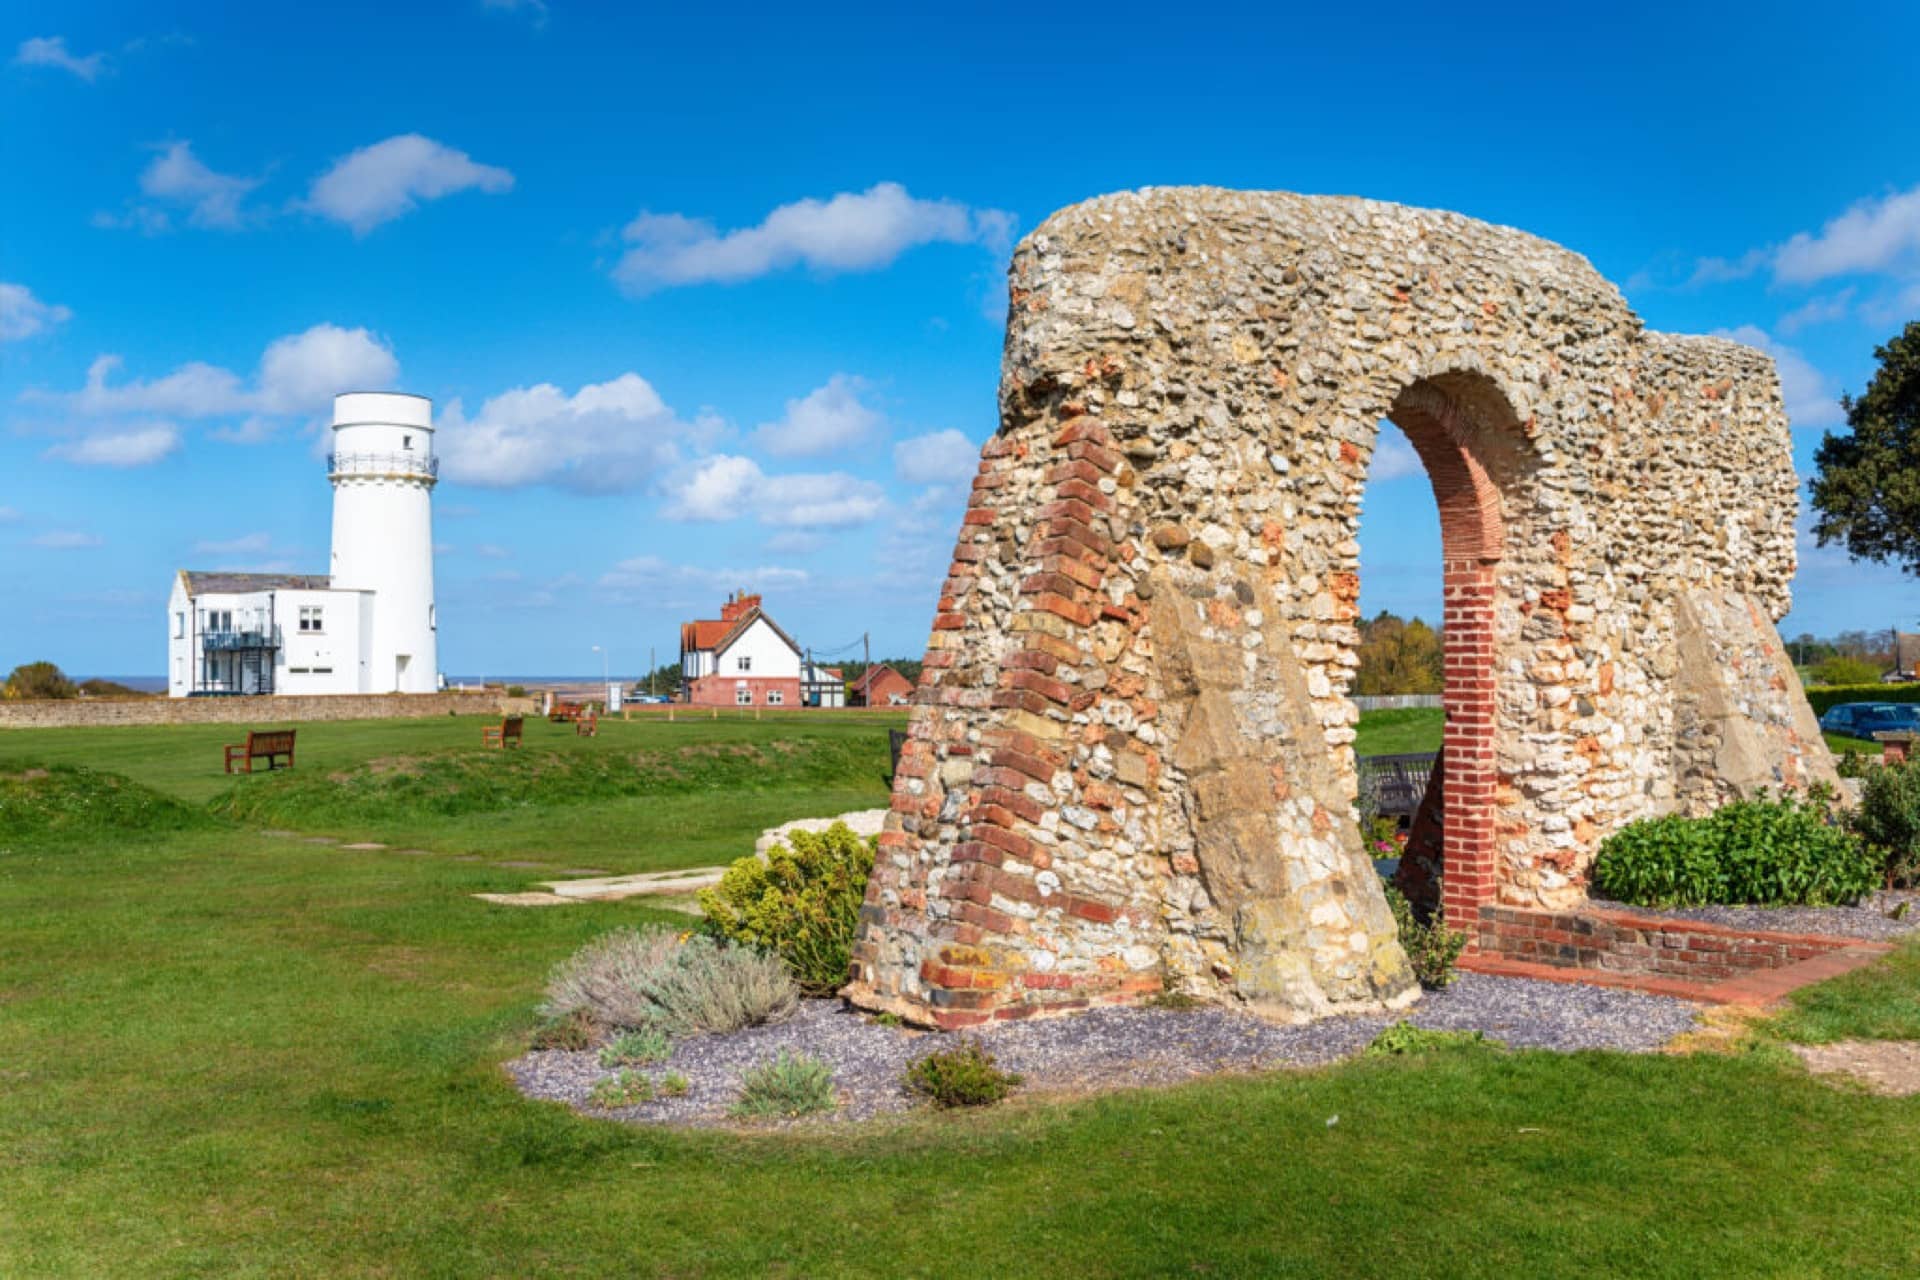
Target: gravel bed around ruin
x=1869, y=919
x=1108, y=1048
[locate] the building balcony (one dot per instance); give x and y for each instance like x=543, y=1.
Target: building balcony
x=409, y=465
x=232, y=641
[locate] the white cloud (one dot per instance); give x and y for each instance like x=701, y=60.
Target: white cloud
x=492, y=551
x=179, y=177
x=8, y=515
x=51, y=51
x=1725, y=270
x=68, y=540
x=939, y=457
x=663, y=583
x=1875, y=235
x=825, y=419
x=301, y=372
x=22, y=315
x=1821, y=310
x=726, y=486
x=1394, y=457
x=605, y=437
x=1810, y=398
x=247, y=544
x=381, y=182
x=298, y=374
x=134, y=446
x=850, y=232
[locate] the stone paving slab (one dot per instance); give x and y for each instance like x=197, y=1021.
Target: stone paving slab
x=1891, y=1067
x=364, y=844
x=663, y=883
x=529, y=899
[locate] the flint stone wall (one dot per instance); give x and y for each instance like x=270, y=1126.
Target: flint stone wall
x=263, y=711
x=1130, y=767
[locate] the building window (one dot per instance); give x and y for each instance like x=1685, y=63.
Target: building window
x=432, y=622
x=180, y=626
x=406, y=442
x=744, y=663
x=743, y=697
x=310, y=617
x=775, y=697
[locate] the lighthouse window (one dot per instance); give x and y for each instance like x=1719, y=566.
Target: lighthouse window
x=406, y=442
x=310, y=617
x=432, y=624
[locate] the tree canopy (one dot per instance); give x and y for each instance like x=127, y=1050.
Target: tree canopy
x=1398, y=656
x=39, y=680
x=1867, y=492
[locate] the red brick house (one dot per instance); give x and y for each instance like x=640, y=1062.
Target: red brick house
x=880, y=686
x=740, y=659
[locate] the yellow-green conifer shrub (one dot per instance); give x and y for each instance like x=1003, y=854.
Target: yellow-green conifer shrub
x=802, y=903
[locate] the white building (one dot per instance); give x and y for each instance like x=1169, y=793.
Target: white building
x=743, y=659
x=366, y=626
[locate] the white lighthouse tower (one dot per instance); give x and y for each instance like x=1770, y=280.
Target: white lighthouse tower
x=383, y=472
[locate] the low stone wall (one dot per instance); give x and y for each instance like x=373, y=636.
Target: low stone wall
x=1660, y=946
x=1397, y=701
x=88, y=712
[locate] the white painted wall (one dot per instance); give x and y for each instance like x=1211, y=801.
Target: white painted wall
x=329, y=660
x=383, y=533
x=765, y=654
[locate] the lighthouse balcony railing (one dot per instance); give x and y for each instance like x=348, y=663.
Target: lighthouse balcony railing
x=382, y=464
x=228, y=641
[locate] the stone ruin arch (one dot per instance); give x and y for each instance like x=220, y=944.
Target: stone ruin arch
x=1130, y=766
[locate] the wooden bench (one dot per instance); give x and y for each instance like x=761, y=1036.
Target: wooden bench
x=586, y=724
x=562, y=712
x=1396, y=783
x=262, y=746
x=499, y=735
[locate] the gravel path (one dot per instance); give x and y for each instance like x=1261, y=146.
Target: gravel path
x=1110, y=1048
x=1869, y=920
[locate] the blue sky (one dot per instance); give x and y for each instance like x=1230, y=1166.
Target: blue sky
x=707, y=302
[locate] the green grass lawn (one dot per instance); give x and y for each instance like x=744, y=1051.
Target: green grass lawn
x=224, y=1053
x=1399, y=732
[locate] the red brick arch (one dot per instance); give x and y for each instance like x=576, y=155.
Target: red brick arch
x=1451, y=423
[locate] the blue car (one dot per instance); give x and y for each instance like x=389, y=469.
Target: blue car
x=1864, y=719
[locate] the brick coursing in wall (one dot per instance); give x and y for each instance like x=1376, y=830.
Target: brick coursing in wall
x=1130, y=765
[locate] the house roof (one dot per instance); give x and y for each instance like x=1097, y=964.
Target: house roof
x=201, y=582
x=867, y=677
x=718, y=635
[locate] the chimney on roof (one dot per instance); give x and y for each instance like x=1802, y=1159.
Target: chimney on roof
x=738, y=606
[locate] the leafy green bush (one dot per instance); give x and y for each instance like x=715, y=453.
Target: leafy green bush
x=802, y=903
x=621, y=1089
x=1767, y=851
x=792, y=1084
x=1888, y=819
x=1404, y=1040
x=1824, y=698
x=636, y=1048
x=1432, y=948
x=1846, y=671
x=963, y=1076
x=672, y=983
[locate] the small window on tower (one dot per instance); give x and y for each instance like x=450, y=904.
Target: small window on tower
x=406, y=442
x=432, y=623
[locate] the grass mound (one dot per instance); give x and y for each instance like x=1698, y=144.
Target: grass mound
x=58, y=804
x=450, y=784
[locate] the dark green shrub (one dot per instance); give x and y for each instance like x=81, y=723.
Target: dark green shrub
x=516, y=691
x=963, y=1076
x=1767, y=852
x=792, y=1084
x=1432, y=948
x=802, y=903
x=1404, y=1040
x=1888, y=819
